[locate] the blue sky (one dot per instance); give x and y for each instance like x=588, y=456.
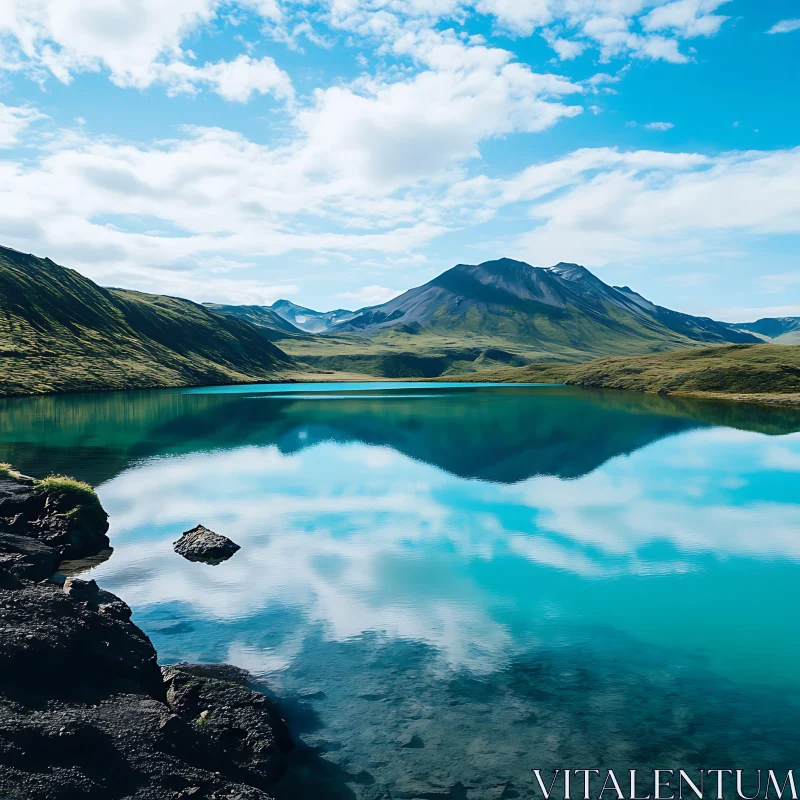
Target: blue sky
x=338, y=153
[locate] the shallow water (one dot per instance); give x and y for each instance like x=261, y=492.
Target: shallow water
x=450, y=586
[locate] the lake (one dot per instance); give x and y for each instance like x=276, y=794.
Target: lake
x=450, y=585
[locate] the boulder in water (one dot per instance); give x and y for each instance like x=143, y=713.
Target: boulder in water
x=201, y=544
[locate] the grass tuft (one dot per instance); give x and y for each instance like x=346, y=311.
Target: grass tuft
x=69, y=486
x=7, y=471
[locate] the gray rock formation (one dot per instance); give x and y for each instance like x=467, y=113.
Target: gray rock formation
x=201, y=544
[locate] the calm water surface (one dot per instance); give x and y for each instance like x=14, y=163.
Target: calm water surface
x=450, y=586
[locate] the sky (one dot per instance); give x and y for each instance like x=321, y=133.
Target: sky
x=337, y=153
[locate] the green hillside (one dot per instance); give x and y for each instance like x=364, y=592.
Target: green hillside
x=765, y=373
x=59, y=332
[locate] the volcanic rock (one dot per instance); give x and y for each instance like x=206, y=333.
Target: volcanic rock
x=201, y=544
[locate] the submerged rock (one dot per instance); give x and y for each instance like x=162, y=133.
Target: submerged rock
x=201, y=544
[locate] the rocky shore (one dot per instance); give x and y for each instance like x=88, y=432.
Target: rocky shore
x=85, y=709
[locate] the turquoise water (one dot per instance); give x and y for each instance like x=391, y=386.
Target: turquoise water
x=448, y=586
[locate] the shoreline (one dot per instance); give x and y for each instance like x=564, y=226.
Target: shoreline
x=772, y=400
x=85, y=708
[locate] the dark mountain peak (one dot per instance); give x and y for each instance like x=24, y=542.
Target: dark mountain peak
x=503, y=264
x=574, y=273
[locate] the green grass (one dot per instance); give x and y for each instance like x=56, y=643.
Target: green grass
x=69, y=486
x=61, y=332
x=86, y=508
x=7, y=471
x=768, y=373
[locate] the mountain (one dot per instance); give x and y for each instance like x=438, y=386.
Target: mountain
x=272, y=324
x=564, y=305
x=777, y=329
x=59, y=331
x=309, y=320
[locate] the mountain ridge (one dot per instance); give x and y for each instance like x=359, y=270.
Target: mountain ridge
x=503, y=288
x=60, y=331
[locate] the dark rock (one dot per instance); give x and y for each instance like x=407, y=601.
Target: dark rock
x=84, y=708
x=61, y=648
x=243, y=727
x=25, y=557
x=74, y=526
x=78, y=589
x=201, y=544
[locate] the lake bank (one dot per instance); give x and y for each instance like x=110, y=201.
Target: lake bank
x=760, y=374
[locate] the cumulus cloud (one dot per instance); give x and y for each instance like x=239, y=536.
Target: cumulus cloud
x=14, y=121
x=390, y=131
x=235, y=80
x=615, y=206
x=126, y=38
x=570, y=26
x=142, y=42
x=688, y=18
x=138, y=42
x=659, y=126
x=785, y=26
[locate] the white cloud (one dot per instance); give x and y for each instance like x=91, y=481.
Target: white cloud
x=369, y=296
x=622, y=206
x=689, y=18
x=126, y=38
x=141, y=42
x=138, y=42
x=235, y=80
x=785, y=26
x=659, y=126
x=609, y=24
x=569, y=26
x=390, y=132
x=14, y=120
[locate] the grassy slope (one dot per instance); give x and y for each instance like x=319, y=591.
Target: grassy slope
x=61, y=332
x=397, y=353
x=767, y=373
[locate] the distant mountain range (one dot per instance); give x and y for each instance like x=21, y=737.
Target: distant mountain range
x=782, y=330
x=59, y=331
x=562, y=304
x=308, y=320
x=261, y=316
